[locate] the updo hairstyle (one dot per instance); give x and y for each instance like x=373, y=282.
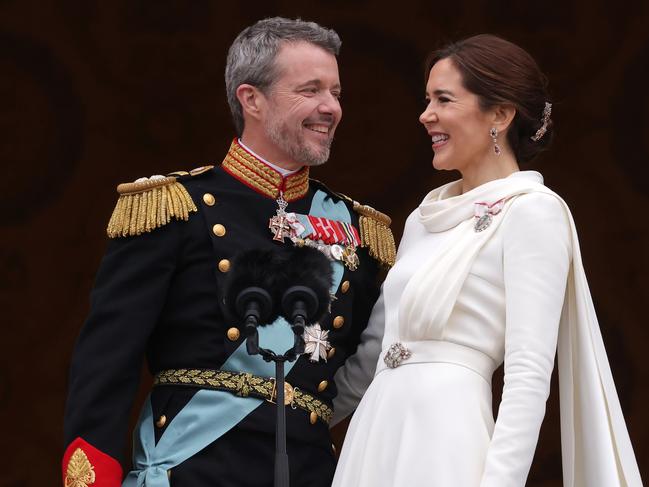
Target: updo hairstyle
x=500, y=72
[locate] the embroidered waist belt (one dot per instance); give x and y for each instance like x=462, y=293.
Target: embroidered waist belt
x=244, y=384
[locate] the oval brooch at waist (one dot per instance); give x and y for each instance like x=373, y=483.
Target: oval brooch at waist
x=396, y=354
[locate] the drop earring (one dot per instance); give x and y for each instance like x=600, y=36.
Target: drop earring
x=494, y=136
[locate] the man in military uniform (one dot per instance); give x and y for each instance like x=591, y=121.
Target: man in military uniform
x=210, y=417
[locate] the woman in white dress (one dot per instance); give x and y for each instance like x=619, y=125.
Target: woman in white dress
x=488, y=271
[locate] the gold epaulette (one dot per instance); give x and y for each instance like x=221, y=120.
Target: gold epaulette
x=376, y=233
x=147, y=204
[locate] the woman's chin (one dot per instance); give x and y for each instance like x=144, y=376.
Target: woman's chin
x=441, y=164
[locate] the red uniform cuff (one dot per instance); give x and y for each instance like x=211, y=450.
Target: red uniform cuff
x=86, y=466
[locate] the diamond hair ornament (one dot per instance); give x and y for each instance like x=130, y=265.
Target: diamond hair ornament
x=545, y=118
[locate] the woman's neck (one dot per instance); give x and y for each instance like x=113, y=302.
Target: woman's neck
x=495, y=167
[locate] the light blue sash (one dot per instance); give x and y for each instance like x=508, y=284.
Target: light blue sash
x=210, y=414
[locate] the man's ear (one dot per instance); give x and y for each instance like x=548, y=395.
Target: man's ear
x=503, y=115
x=252, y=100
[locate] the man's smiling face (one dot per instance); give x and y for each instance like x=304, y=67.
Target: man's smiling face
x=303, y=107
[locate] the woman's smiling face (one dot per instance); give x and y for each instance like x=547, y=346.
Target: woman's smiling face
x=457, y=125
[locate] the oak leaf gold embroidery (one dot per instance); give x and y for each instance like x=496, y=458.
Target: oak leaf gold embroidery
x=80, y=472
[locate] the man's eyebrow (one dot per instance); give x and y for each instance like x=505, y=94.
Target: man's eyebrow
x=318, y=83
x=310, y=82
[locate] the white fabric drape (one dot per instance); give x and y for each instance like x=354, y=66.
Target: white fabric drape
x=596, y=447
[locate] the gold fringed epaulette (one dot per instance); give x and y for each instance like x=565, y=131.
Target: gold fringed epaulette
x=376, y=234
x=147, y=204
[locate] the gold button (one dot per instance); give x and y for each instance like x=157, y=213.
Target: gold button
x=289, y=393
x=322, y=386
x=219, y=230
x=162, y=420
x=344, y=287
x=331, y=352
x=333, y=448
x=339, y=321
x=313, y=418
x=233, y=334
x=209, y=199
x=169, y=474
x=224, y=265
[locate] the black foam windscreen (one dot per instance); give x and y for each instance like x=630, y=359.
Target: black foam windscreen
x=275, y=270
x=253, y=268
x=308, y=267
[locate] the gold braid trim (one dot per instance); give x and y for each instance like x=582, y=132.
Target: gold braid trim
x=262, y=178
x=243, y=384
x=79, y=472
x=147, y=205
x=251, y=161
x=251, y=178
x=376, y=234
x=296, y=185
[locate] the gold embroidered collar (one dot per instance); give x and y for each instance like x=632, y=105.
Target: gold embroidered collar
x=259, y=176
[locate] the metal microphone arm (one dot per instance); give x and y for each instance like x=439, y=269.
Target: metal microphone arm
x=254, y=304
x=261, y=275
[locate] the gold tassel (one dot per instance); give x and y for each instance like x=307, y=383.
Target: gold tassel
x=376, y=234
x=147, y=205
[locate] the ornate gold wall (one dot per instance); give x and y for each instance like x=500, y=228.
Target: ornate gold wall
x=97, y=93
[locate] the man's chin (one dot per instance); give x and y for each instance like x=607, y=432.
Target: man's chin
x=314, y=163
x=318, y=159
x=314, y=157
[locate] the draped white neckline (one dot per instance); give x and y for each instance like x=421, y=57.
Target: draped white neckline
x=446, y=207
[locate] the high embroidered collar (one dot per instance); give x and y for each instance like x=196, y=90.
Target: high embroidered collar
x=259, y=176
x=445, y=207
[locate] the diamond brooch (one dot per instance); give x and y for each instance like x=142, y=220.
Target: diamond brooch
x=396, y=354
x=484, y=213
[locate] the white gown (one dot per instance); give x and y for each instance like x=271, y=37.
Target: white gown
x=429, y=421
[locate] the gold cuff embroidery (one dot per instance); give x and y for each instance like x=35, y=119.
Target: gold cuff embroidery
x=79, y=472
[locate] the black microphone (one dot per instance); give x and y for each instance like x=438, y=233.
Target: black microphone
x=303, y=271
x=308, y=278
x=251, y=292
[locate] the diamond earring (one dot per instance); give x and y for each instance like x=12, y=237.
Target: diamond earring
x=494, y=136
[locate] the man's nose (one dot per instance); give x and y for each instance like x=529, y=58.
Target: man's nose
x=330, y=104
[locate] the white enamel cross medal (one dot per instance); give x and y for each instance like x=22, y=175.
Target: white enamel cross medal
x=278, y=224
x=316, y=343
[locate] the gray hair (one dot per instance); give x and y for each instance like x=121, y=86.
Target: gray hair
x=251, y=58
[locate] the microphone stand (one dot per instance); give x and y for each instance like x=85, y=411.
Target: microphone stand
x=297, y=302
x=281, y=455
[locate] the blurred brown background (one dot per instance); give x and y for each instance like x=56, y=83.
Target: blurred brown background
x=96, y=93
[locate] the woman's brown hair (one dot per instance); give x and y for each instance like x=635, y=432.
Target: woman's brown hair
x=499, y=72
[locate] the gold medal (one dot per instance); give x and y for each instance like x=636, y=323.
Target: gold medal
x=350, y=259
